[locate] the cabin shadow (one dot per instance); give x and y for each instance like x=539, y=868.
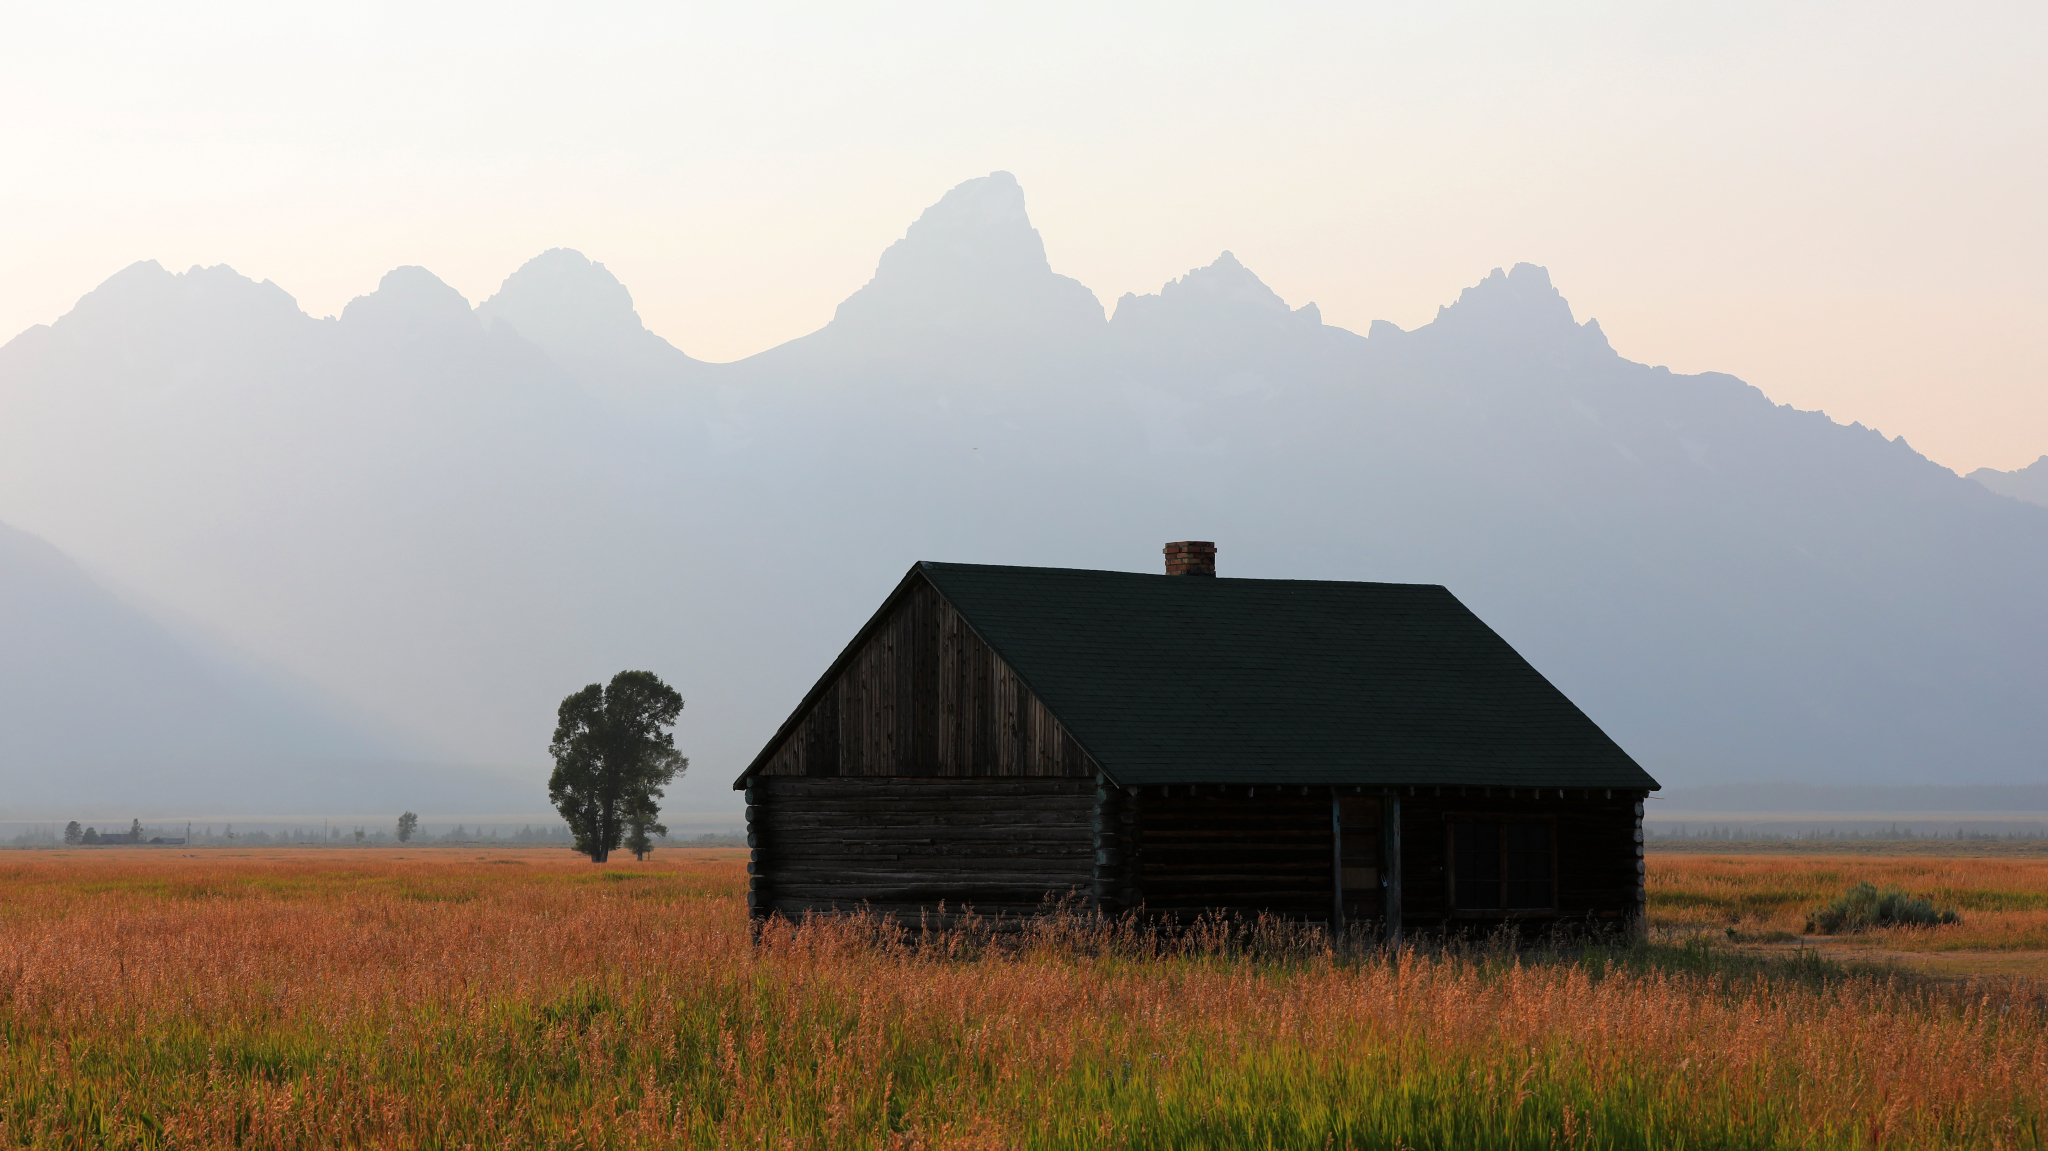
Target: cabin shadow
x=1362, y=760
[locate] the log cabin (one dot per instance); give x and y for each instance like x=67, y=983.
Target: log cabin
x=1365, y=755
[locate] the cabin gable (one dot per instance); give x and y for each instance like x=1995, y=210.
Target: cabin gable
x=921, y=695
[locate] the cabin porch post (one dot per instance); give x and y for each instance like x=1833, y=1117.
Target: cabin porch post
x=1336, y=862
x=1390, y=847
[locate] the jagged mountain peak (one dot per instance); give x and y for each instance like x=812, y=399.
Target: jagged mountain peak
x=1524, y=292
x=1229, y=279
x=579, y=312
x=139, y=282
x=145, y=286
x=562, y=291
x=977, y=231
x=1223, y=292
x=972, y=261
x=980, y=220
x=1519, y=305
x=410, y=297
x=144, y=310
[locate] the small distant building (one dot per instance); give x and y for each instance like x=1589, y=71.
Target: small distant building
x=168, y=841
x=1332, y=751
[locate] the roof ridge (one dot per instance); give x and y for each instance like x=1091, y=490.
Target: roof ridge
x=1162, y=575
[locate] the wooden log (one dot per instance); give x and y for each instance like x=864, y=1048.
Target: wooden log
x=827, y=837
x=909, y=914
x=1002, y=793
x=1234, y=885
x=995, y=849
x=965, y=872
x=1071, y=807
x=757, y=894
x=1107, y=863
x=792, y=821
x=1029, y=895
x=1249, y=853
x=898, y=828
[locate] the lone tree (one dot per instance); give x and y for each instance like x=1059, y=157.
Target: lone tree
x=407, y=824
x=613, y=755
x=73, y=834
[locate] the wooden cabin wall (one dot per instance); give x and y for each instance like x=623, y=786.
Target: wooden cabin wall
x=1598, y=851
x=1239, y=850
x=901, y=846
x=1181, y=851
x=925, y=697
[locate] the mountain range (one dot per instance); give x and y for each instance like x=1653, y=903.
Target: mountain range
x=438, y=519
x=2029, y=483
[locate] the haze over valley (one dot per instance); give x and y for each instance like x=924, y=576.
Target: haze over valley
x=262, y=560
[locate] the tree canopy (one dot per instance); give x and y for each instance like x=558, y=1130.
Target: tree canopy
x=613, y=756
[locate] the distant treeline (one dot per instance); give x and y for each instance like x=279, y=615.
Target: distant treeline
x=1882, y=801
x=1779, y=834
x=77, y=833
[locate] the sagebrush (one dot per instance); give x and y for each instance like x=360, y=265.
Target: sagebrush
x=1863, y=907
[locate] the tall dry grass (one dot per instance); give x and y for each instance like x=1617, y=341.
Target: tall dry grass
x=359, y=1000
x=2003, y=901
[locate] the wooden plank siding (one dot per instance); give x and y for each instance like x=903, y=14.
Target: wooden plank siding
x=1245, y=850
x=904, y=846
x=925, y=697
x=1598, y=851
x=1238, y=850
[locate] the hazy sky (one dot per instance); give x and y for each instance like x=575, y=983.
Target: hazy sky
x=1844, y=204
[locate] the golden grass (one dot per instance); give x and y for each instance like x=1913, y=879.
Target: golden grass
x=2003, y=900
x=527, y=999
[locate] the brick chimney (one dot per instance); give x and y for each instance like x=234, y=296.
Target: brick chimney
x=1191, y=558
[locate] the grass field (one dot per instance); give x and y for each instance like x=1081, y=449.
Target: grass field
x=2003, y=899
x=390, y=998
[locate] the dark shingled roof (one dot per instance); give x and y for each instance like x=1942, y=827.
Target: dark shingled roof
x=1187, y=679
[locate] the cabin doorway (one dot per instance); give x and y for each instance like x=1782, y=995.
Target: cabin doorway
x=1362, y=870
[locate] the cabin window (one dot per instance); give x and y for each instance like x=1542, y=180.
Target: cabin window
x=1503, y=865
